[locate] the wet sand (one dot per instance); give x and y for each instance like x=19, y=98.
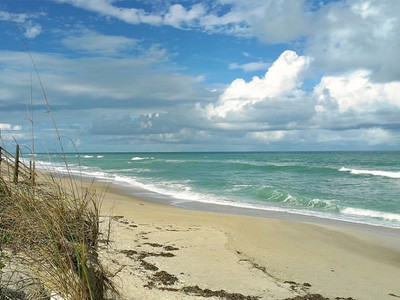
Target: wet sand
x=159, y=251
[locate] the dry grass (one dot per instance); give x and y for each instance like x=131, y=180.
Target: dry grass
x=48, y=241
x=49, y=231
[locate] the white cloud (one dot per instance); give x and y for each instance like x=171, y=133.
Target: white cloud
x=92, y=41
x=342, y=110
x=356, y=92
x=32, y=31
x=18, y=18
x=277, y=21
x=277, y=101
x=267, y=137
x=357, y=34
x=135, y=82
x=129, y=15
x=233, y=22
x=106, y=8
x=271, y=110
x=282, y=79
x=250, y=67
x=5, y=126
x=179, y=16
x=10, y=127
x=197, y=16
x=341, y=36
x=377, y=136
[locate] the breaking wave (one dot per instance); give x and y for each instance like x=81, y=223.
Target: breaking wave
x=141, y=158
x=371, y=214
x=387, y=174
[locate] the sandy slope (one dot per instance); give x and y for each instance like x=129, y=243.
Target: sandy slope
x=163, y=252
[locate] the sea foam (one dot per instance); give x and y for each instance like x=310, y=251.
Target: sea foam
x=371, y=214
x=141, y=158
x=302, y=184
x=371, y=172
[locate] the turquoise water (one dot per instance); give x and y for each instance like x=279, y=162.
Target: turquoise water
x=361, y=187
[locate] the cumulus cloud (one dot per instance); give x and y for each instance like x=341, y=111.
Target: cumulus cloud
x=278, y=101
x=353, y=100
x=355, y=92
x=282, y=80
x=341, y=36
x=275, y=109
x=357, y=34
x=352, y=43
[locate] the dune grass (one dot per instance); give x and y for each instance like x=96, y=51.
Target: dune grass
x=48, y=241
x=49, y=230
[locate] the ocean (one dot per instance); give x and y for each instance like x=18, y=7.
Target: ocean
x=360, y=187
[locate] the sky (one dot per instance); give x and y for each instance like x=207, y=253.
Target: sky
x=200, y=75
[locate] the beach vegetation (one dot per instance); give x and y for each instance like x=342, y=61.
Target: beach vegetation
x=49, y=228
x=2, y=265
x=49, y=237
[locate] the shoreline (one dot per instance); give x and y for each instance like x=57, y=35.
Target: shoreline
x=391, y=235
x=273, y=257
x=347, y=215
x=151, y=196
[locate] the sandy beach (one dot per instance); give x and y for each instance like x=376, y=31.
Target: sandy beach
x=159, y=251
x=239, y=149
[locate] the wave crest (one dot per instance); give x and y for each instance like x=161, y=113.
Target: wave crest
x=371, y=214
x=389, y=174
x=141, y=158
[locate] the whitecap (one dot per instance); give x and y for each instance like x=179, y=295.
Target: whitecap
x=389, y=174
x=141, y=158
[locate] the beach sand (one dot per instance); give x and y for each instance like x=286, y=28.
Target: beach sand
x=159, y=251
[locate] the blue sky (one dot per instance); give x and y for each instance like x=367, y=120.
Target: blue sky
x=223, y=75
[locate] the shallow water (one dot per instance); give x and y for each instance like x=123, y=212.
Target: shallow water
x=362, y=187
